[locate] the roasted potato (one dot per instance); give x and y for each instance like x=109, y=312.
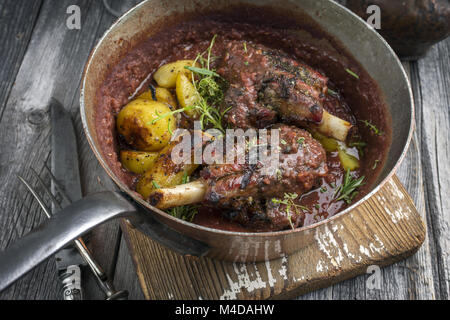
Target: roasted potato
x=161, y=94
x=138, y=161
x=136, y=124
x=164, y=173
x=166, y=76
x=187, y=94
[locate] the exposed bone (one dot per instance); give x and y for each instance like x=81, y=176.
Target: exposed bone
x=181, y=195
x=334, y=127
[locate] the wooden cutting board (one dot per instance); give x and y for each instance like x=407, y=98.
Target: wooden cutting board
x=385, y=229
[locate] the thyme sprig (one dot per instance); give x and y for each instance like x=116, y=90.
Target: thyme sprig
x=348, y=190
x=210, y=93
x=288, y=201
x=372, y=127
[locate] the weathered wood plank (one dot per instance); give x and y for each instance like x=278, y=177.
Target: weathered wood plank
x=17, y=20
x=419, y=268
x=434, y=105
x=125, y=276
x=105, y=240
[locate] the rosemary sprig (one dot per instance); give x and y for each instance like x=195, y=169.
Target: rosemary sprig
x=348, y=190
x=186, y=213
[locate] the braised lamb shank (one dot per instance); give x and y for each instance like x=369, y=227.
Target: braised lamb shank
x=267, y=88
x=249, y=194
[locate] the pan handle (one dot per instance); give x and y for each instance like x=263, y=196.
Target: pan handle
x=71, y=223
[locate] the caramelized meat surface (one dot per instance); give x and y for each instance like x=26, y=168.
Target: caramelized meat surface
x=267, y=87
x=246, y=190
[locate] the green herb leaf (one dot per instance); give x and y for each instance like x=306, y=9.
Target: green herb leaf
x=359, y=145
x=156, y=185
x=301, y=141
x=332, y=93
x=202, y=71
x=352, y=73
x=375, y=165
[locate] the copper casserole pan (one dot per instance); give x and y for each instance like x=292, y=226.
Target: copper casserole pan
x=140, y=23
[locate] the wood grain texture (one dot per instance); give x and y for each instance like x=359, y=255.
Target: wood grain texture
x=383, y=230
x=17, y=20
x=52, y=66
x=433, y=104
x=125, y=276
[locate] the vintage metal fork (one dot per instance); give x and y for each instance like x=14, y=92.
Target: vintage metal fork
x=68, y=280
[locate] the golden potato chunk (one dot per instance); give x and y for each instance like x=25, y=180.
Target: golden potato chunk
x=161, y=94
x=138, y=161
x=138, y=123
x=187, y=95
x=166, y=76
x=164, y=173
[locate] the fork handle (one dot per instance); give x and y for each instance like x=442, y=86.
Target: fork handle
x=64, y=227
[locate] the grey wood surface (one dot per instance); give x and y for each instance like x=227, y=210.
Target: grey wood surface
x=40, y=58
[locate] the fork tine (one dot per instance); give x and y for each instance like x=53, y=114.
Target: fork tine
x=47, y=190
x=37, y=197
x=57, y=184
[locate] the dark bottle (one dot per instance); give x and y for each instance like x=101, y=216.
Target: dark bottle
x=410, y=26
